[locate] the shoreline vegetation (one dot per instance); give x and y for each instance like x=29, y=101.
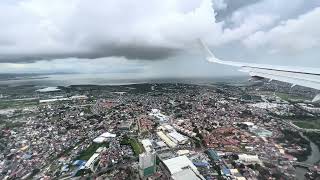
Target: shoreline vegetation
x=308, y=124
x=295, y=139
x=314, y=137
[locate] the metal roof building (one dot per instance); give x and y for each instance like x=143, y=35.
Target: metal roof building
x=185, y=174
x=181, y=168
x=147, y=144
x=167, y=140
x=177, y=137
x=213, y=155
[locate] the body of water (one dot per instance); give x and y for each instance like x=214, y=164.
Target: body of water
x=108, y=79
x=312, y=159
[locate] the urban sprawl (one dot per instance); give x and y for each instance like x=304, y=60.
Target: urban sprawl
x=157, y=131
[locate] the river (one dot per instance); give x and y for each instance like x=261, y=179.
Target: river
x=314, y=157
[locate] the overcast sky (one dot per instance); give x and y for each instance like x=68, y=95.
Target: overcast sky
x=155, y=38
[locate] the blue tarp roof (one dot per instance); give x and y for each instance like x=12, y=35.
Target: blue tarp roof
x=226, y=171
x=78, y=162
x=200, y=164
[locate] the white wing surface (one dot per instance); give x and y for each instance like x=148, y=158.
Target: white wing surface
x=303, y=76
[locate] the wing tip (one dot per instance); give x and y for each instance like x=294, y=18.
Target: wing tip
x=316, y=98
x=209, y=55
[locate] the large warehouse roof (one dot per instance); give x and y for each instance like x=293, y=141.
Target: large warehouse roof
x=186, y=174
x=178, y=137
x=181, y=168
x=166, y=139
x=177, y=164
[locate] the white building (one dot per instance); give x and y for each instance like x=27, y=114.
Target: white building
x=177, y=138
x=156, y=113
x=147, y=144
x=104, y=137
x=249, y=158
x=183, y=152
x=181, y=168
x=167, y=140
x=99, y=139
x=108, y=135
x=90, y=163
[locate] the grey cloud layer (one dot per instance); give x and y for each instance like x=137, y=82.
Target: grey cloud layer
x=231, y=7
x=44, y=29
x=135, y=51
x=34, y=30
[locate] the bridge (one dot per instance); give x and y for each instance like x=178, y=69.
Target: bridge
x=302, y=164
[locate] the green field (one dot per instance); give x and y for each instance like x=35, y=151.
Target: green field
x=137, y=148
x=314, y=137
x=308, y=124
x=17, y=104
x=87, y=153
x=288, y=97
x=134, y=143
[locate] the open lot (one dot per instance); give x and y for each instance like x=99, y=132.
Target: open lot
x=308, y=124
x=17, y=103
x=87, y=153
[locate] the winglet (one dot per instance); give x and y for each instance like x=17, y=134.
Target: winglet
x=316, y=98
x=212, y=58
x=209, y=55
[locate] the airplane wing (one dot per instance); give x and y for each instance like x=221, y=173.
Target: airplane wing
x=307, y=77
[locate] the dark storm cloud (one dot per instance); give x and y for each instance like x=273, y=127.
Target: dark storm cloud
x=34, y=30
x=141, y=52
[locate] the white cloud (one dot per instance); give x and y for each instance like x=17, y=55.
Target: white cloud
x=141, y=29
x=292, y=35
x=33, y=30
x=281, y=9
x=219, y=4
x=262, y=15
x=82, y=26
x=249, y=26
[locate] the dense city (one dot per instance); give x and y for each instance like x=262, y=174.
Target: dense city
x=159, y=131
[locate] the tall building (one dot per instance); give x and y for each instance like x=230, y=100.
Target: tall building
x=147, y=164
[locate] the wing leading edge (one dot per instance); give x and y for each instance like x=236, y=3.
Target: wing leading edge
x=307, y=77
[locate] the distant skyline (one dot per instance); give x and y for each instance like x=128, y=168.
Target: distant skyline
x=155, y=38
